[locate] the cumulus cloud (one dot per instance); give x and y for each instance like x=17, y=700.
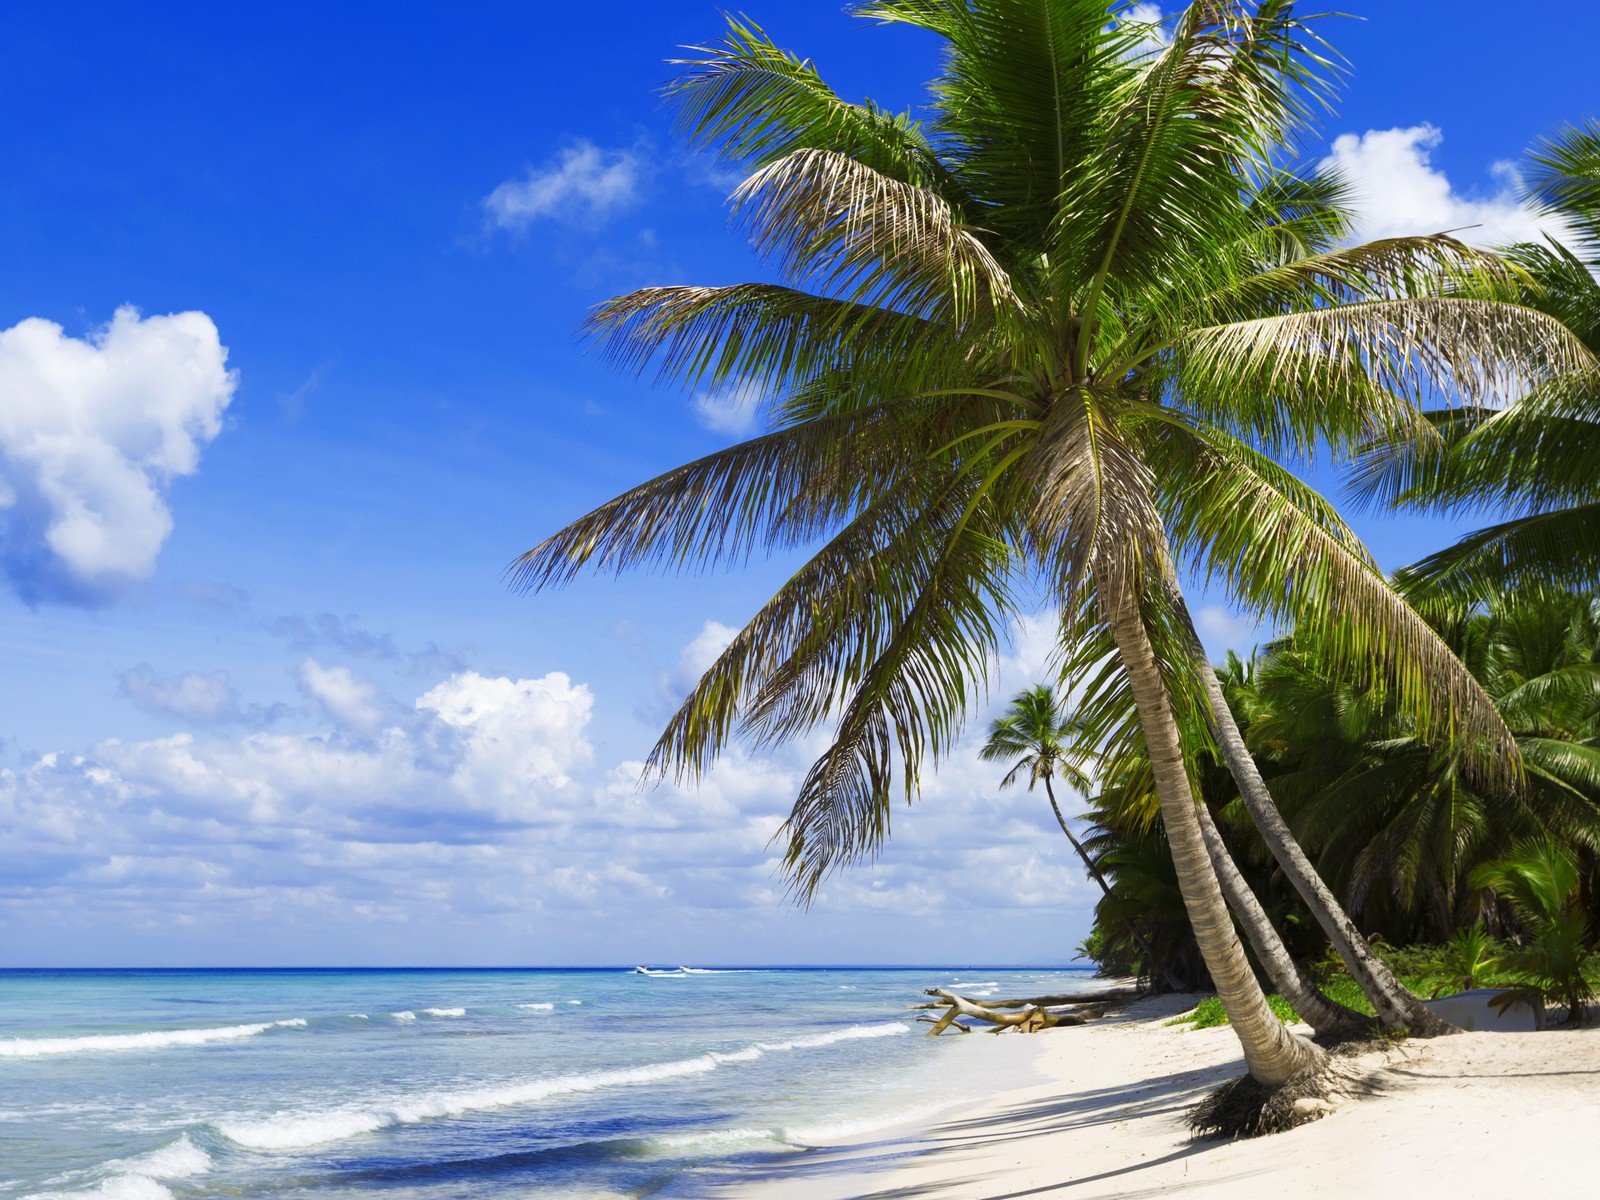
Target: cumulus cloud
x=475, y=824
x=583, y=185
x=92, y=432
x=518, y=736
x=202, y=699
x=1396, y=190
x=732, y=410
x=1156, y=35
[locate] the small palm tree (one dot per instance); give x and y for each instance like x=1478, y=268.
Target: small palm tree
x=1035, y=736
x=1539, y=880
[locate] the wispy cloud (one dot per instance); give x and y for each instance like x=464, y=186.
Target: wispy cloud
x=732, y=409
x=584, y=185
x=205, y=699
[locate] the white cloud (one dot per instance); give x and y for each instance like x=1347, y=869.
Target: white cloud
x=518, y=735
x=1222, y=630
x=92, y=431
x=1397, y=191
x=701, y=651
x=584, y=185
x=731, y=410
x=343, y=695
x=203, y=699
x=470, y=826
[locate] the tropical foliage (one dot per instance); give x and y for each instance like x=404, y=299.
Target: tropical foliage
x=1418, y=849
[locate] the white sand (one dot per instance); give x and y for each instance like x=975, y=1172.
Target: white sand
x=1473, y=1115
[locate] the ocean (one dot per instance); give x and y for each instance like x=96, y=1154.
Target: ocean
x=445, y=1084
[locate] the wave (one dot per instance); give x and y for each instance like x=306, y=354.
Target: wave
x=850, y=1034
x=404, y=1015
x=542, y=1007
x=154, y=1039
x=719, y=970
x=142, y=1176
x=294, y=1131
x=445, y=1012
x=845, y=1130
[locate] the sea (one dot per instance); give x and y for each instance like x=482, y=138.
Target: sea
x=660, y=1080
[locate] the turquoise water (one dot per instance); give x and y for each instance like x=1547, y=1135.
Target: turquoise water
x=427, y=1085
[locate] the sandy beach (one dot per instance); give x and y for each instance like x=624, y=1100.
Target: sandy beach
x=1473, y=1115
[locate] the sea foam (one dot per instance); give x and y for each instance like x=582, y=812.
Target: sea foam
x=140, y=1177
x=293, y=1131
x=850, y=1034
x=154, y=1039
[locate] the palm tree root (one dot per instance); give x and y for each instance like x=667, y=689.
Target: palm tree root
x=1246, y=1107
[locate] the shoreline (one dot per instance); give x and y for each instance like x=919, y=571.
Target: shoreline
x=1476, y=1114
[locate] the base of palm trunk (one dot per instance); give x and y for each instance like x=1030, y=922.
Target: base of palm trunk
x=1245, y=1107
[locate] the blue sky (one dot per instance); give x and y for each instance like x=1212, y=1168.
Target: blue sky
x=269, y=699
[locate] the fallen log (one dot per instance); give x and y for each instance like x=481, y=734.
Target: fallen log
x=1109, y=995
x=1020, y=1016
x=1023, y=1020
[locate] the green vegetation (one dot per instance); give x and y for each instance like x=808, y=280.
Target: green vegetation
x=1430, y=973
x=1500, y=885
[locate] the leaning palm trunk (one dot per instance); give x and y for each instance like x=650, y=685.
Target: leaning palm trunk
x=1154, y=965
x=1328, y=1017
x=1396, y=1007
x=1272, y=1054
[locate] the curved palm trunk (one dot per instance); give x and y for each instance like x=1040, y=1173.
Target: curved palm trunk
x=1157, y=968
x=1272, y=1054
x=1327, y=1017
x=1396, y=1007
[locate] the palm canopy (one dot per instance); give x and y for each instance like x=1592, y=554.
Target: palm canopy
x=1037, y=738
x=1538, y=460
x=1059, y=331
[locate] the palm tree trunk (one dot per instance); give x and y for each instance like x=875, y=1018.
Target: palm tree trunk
x=1156, y=967
x=1327, y=1017
x=1272, y=1054
x=1396, y=1007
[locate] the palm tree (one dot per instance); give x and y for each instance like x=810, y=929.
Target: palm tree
x=1039, y=339
x=1539, y=880
x=1394, y=818
x=1540, y=457
x=1033, y=736
x=1036, y=737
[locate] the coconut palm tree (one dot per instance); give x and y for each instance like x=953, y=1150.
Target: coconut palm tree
x=1540, y=457
x=1034, y=735
x=1042, y=338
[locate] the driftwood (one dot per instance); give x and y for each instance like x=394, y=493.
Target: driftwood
x=1105, y=996
x=1018, y=1016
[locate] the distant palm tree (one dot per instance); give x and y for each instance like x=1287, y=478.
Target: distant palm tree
x=1035, y=736
x=1040, y=340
